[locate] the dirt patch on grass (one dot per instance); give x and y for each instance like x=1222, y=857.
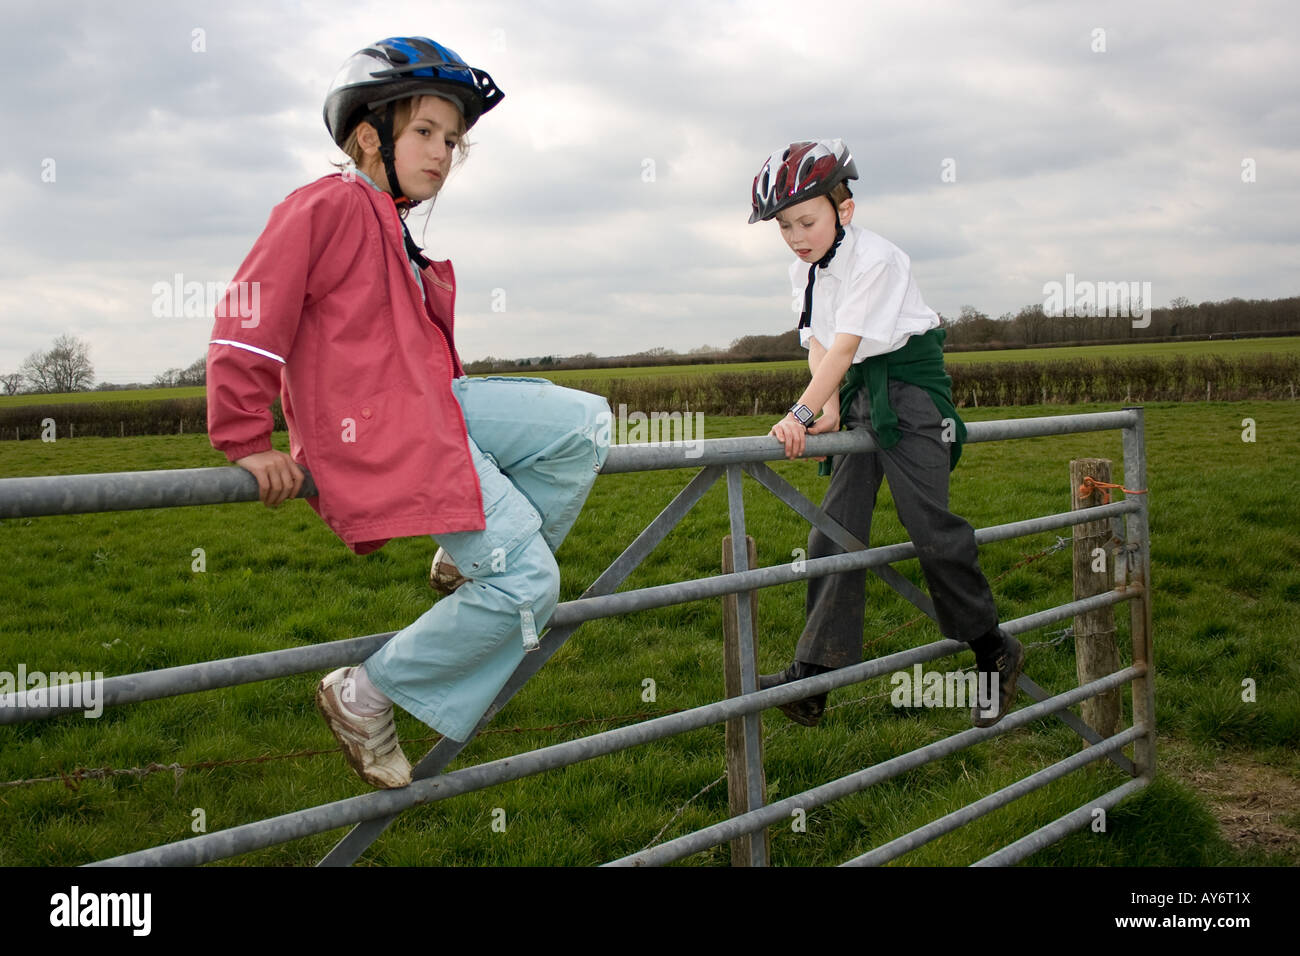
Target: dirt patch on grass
x=1257, y=806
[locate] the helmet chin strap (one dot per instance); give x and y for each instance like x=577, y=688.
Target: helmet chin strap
x=805, y=319
x=383, y=124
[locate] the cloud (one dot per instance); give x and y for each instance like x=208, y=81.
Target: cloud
x=608, y=193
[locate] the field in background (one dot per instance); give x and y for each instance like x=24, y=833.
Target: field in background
x=123, y=395
x=1221, y=347
x=1224, y=347
x=116, y=593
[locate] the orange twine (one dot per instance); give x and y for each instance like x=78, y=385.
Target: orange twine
x=1093, y=484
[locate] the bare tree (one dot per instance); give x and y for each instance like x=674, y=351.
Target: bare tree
x=11, y=382
x=1034, y=323
x=64, y=368
x=196, y=374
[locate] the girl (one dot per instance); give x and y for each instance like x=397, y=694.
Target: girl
x=354, y=329
x=862, y=314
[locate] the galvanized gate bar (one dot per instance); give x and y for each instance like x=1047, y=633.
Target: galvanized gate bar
x=726, y=451
x=274, y=663
x=299, y=823
x=229, y=672
x=1138, y=531
x=381, y=803
x=1075, y=820
x=207, y=675
x=698, y=589
x=972, y=811
x=1075, y=723
x=823, y=522
x=801, y=505
x=752, y=728
x=123, y=491
x=736, y=451
x=348, y=850
x=129, y=490
x=781, y=810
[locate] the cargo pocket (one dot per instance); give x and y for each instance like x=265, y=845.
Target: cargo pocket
x=509, y=517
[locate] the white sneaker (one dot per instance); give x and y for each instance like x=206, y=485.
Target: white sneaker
x=369, y=743
x=445, y=577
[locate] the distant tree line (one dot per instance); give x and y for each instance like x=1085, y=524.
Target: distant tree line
x=1031, y=327
x=66, y=367
x=748, y=348
x=972, y=330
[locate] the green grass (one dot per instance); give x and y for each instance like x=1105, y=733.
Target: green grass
x=116, y=593
x=125, y=395
x=1224, y=347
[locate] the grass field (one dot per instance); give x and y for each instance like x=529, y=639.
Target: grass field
x=133, y=395
x=1224, y=347
x=116, y=593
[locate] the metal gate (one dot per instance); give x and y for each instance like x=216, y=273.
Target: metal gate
x=726, y=459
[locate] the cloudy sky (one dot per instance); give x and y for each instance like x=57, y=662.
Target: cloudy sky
x=608, y=194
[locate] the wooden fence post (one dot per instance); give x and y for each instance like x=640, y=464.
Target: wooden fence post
x=1096, y=653
x=737, y=789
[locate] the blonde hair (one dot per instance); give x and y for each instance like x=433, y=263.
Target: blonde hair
x=839, y=193
x=403, y=110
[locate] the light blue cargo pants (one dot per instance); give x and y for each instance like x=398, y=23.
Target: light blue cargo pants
x=536, y=448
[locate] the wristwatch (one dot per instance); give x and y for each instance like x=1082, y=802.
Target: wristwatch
x=803, y=414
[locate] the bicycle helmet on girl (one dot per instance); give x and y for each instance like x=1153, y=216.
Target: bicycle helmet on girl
x=394, y=69
x=799, y=172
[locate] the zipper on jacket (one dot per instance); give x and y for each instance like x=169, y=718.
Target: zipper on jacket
x=424, y=304
x=451, y=361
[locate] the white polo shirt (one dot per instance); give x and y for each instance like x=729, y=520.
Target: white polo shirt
x=866, y=290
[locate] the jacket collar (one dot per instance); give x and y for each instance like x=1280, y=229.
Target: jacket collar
x=364, y=177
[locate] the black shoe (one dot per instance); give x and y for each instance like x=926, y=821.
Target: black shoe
x=807, y=711
x=1006, y=662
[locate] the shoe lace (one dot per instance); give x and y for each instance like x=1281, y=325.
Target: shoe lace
x=382, y=746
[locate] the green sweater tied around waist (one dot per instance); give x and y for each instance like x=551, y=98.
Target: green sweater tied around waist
x=918, y=362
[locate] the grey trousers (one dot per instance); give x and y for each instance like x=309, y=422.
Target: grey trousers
x=917, y=469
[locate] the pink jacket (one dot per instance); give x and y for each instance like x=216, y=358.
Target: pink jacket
x=337, y=327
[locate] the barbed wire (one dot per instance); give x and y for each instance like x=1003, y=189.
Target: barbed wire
x=72, y=780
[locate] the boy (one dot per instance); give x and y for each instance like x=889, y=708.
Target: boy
x=862, y=314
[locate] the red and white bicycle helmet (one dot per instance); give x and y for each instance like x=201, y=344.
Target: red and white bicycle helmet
x=799, y=172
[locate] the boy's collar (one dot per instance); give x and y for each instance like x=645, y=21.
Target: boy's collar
x=840, y=265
